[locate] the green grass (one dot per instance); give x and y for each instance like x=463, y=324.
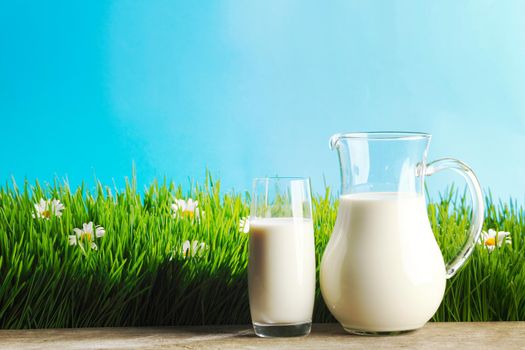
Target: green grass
x=138, y=276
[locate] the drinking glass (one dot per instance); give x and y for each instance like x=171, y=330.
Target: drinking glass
x=281, y=265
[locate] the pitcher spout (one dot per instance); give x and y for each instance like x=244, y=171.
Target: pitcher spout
x=334, y=140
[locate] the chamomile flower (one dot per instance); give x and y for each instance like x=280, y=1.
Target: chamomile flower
x=493, y=239
x=87, y=235
x=182, y=208
x=195, y=248
x=46, y=208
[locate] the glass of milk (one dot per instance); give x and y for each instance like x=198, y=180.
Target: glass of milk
x=281, y=266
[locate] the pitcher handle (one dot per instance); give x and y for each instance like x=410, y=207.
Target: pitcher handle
x=477, y=208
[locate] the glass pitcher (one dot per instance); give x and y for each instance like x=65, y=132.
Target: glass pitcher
x=382, y=270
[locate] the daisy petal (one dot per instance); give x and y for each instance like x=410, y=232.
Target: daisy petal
x=72, y=240
x=100, y=231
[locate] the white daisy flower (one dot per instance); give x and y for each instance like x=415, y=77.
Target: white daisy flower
x=493, y=239
x=47, y=208
x=192, y=249
x=244, y=225
x=182, y=208
x=87, y=233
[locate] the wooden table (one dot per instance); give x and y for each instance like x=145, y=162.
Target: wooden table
x=497, y=335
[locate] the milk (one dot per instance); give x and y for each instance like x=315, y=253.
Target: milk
x=382, y=270
x=281, y=270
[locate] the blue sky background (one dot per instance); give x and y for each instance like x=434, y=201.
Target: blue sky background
x=256, y=88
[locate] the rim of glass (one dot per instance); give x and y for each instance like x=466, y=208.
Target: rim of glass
x=384, y=135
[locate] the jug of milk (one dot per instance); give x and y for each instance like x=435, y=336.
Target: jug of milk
x=382, y=271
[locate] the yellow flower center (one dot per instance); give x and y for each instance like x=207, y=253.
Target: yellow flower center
x=189, y=213
x=86, y=236
x=490, y=241
x=46, y=213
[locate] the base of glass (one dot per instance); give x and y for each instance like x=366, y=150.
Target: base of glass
x=378, y=333
x=282, y=330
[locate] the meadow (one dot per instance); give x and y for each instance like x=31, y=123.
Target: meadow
x=148, y=258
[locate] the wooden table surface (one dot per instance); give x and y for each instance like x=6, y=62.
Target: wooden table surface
x=497, y=335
